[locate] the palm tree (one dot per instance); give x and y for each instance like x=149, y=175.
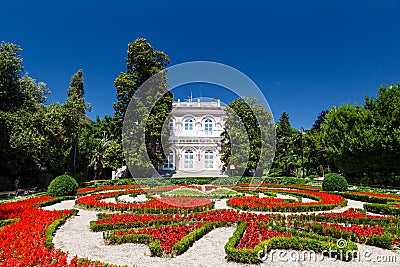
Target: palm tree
x=97, y=159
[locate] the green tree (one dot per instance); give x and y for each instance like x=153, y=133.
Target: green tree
x=142, y=62
x=320, y=119
x=287, y=146
x=248, y=137
x=11, y=72
x=76, y=86
x=314, y=150
x=74, y=118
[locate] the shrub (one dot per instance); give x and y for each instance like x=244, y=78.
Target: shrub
x=334, y=182
x=63, y=185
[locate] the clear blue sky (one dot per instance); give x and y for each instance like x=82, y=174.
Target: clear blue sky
x=306, y=56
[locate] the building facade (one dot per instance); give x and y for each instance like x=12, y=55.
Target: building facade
x=195, y=137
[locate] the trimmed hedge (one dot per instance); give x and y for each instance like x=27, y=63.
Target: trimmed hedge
x=154, y=244
x=285, y=180
x=51, y=229
x=366, y=198
x=54, y=201
x=125, y=225
x=63, y=185
x=382, y=208
x=309, y=242
x=334, y=182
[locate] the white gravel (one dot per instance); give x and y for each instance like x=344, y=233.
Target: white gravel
x=76, y=238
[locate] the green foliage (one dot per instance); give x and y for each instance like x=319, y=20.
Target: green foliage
x=63, y=185
x=387, y=209
x=287, y=154
x=365, y=141
x=366, y=198
x=37, y=137
x=249, y=137
x=334, y=182
x=76, y=85
x=142, y=62
x=285, y=180
x=11, y=69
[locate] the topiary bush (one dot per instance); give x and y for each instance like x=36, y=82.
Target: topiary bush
x=63, y=185
x=334, y=182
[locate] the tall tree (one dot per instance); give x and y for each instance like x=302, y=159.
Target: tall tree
x=74, y=118
x=11, y=71
x=142, y=62
x=287, y=146
x=76, y=85
x=284, y=128
x=320, y=119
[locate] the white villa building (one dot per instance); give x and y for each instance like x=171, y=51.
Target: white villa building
x=195, y=137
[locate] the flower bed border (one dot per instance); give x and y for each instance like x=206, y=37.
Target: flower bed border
x=305, y=207
x=294, y=242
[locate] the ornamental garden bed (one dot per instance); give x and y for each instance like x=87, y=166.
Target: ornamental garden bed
x=325, y=201
x=170, y=226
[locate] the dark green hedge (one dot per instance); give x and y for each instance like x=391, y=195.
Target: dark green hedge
x=365, y=198
x=154, y=244
x=388, y=209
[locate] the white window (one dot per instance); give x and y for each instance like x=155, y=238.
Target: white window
x=171, y=124
x=209, y=159
x=188, y=159
x=169, y=162
x=189, y=125
x=208, y=125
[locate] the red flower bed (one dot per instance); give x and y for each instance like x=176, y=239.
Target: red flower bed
x=168, y=235
x=15, y=209
x=211, y=216
x=273, y=204
x=23, y=242
x=253, y=202
x=357, y=230
x=274, y=185
x=256, y=233
x=353, y=214
x=149, y=206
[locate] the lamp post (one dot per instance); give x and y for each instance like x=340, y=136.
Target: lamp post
x=302, y=151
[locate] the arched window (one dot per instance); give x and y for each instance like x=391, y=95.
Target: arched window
x=189, y=125
x=208, y=125
x=188, y=158
x=208, y=159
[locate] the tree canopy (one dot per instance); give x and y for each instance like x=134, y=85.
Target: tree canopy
x=248, y=137
x=364, y=141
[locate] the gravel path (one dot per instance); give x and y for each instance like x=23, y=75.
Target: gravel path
x=76, y=238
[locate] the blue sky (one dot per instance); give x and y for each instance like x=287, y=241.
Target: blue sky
x=305, y=56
